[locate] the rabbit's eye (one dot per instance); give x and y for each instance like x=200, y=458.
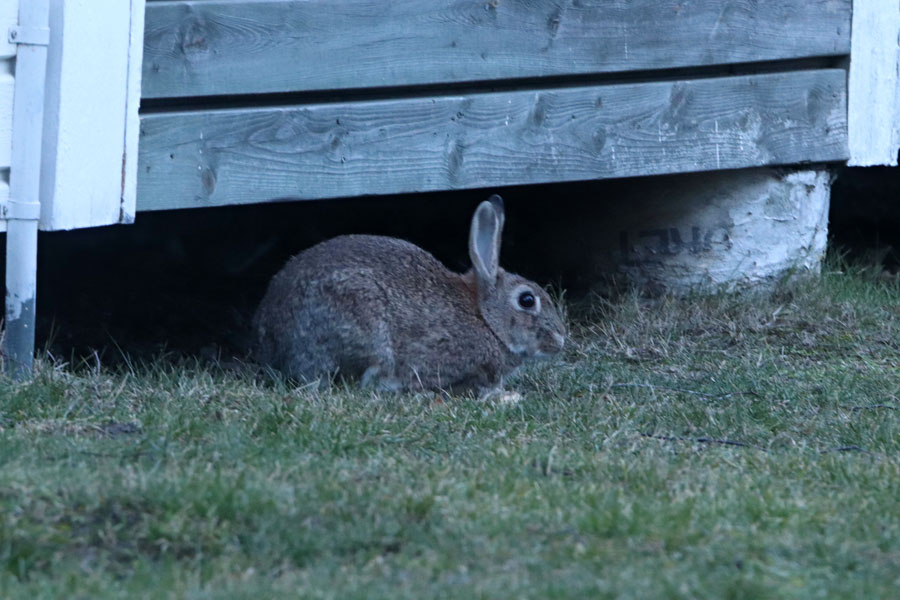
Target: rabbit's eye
x=526, y=300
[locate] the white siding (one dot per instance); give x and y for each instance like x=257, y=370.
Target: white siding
x=8, y=18
x=7, y=65
x=874, y=102
x=90, y=127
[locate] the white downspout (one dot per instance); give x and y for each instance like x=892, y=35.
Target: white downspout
x=23, y=208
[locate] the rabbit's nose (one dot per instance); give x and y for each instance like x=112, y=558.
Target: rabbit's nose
x=560, y=339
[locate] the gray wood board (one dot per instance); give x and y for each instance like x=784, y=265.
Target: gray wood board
x=214, y=47
x=239, y=156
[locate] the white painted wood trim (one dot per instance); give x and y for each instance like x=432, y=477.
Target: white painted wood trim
x=874, y=87
x=9, y=16
x=91, y=108
x=132, y=120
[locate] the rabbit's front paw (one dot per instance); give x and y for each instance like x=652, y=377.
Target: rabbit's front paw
x=501, y=397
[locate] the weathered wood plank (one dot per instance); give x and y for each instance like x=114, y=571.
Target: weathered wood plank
x=196, y=159
x=9, y=16
x=7, y=91
x=91, y=126
x=4, y=192
x=874, y=94
x=209, y=47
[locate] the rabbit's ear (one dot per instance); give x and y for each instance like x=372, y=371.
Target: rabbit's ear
x=497, y=203
x=484, y=241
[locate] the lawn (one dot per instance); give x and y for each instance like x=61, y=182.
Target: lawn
x=719, y=447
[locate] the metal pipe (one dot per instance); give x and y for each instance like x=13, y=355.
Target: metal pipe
x=23, y=208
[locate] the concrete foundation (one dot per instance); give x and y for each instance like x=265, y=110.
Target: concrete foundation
x=713, y=231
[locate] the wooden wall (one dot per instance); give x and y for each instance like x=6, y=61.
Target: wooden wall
x=89, y=142
x=91, y=123
x=288, y=99
x=9, y=12
x=874, y=84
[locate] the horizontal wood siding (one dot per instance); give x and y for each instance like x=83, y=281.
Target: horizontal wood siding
x=210, y=47
x=207, y=158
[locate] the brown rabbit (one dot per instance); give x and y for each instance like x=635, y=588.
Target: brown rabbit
x=386, y=312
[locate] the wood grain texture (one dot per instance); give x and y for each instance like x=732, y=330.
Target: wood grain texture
x=210, y=47
x=196, y=159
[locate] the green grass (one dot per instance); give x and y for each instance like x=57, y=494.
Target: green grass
x=723, y=447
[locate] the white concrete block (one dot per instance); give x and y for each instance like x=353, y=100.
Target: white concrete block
x=712, y=231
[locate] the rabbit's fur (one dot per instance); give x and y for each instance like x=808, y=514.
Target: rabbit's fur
x=386, y=312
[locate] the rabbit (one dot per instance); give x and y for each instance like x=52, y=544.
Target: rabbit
x=385, y=312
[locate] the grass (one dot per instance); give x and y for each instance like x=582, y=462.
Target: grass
x=721, y=447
